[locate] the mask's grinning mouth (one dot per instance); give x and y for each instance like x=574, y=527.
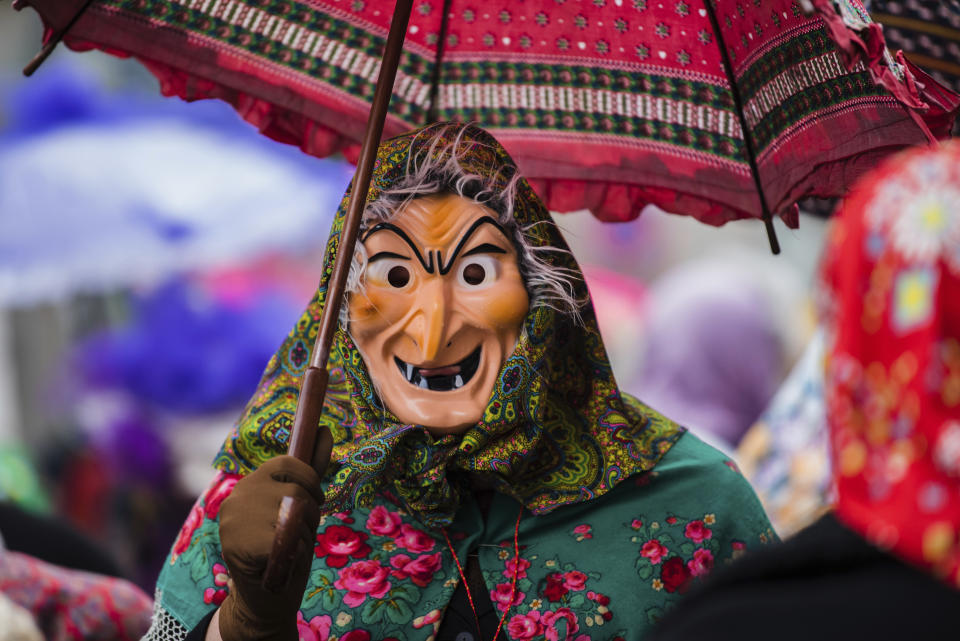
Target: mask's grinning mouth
x=441, y=379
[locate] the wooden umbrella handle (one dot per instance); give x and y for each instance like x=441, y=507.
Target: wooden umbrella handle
x=313, y=385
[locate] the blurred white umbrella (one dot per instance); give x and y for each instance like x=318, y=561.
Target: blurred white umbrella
x=91, y=207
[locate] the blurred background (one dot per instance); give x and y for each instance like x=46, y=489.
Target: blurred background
x=154, y=253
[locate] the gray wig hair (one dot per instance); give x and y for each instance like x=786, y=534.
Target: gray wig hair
x=439, y=171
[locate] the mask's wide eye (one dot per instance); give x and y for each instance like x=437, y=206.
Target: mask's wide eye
x=389, y=272
x=478, y=271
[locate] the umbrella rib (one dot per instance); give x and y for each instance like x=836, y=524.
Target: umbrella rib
x=747, y=138
x=432, y=112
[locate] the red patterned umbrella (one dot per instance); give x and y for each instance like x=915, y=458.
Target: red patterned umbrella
x=605, y=104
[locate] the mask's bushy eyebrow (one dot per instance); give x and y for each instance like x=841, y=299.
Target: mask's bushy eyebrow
x=428, y=267
x=385, y=255
x=485, y=248
x=485, y=220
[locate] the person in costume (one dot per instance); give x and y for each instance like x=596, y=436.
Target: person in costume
x=885, y=563
x=488, y=478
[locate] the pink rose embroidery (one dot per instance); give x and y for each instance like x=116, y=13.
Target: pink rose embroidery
x=654, y=551
x=218, y=593
x=194, y=519
x=701, y=563
x=501, y=596
x=215, y=495
x=383, y=522
x=574, y=580
x=316, y=629
x=419, y=570
x=362, y=579
x=338, y=543
x=516, y=567
x=697, y=532
x=550, y=619
x=525, y=626
x=414, y=540
x=429, y=618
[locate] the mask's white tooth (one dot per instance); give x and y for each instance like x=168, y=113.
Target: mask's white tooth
x=409, y=372
x=458, y=382
x=423, y=383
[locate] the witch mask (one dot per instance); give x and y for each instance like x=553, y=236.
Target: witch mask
x=439, y=308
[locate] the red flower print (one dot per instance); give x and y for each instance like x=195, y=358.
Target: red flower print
x=218, y=593
x=654, y=551
x=220, y=576
x=701, y=563
x=555, y=589
x=525, y=626
x=194, y=519
x=697, y=531
x=414, y=540
x=738, y=545
x=574, y=580
x=419, y=570
x=362, y=579
x=356, y=635
x=501, y=596
x=345, y=517
x=429, y=618
x=582, y=529
x=549, y=620
x=671, y=520
x=316, y=629
x=215, y=494
x=383, y=522
x=675, y=575
x=214, y=597
x=338, y=543
x=636, y=524
x=516, y=567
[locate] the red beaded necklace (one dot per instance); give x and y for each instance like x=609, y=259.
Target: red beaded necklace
x=513, y=582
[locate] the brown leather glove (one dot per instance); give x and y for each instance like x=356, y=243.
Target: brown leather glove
x=248, y=518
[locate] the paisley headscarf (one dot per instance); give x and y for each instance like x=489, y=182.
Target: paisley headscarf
x=556, y=431
x=892, y=269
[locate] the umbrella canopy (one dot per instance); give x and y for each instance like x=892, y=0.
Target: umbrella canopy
x=100, y=201
x=722, y=110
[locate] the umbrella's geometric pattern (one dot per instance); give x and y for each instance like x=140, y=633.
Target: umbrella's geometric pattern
x=616, y=102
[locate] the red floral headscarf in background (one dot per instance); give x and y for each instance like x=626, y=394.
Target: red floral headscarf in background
x=892, y=270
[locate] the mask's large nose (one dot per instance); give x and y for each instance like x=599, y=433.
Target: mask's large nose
x=428, y=322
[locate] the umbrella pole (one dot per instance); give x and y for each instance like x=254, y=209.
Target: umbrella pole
x=747, y=137
x=313, y=384
x=54, y=39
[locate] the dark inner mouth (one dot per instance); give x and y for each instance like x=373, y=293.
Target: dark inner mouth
x=441, y=379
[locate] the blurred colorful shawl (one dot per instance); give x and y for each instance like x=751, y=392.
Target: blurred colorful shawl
x=784, y=455
x=556, y=431
x=893, y=372
x=69, y=605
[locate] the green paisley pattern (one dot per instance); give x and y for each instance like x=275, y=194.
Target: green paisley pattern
x=556, y=431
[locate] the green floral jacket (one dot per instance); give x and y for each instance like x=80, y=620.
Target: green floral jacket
x=601, y=569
